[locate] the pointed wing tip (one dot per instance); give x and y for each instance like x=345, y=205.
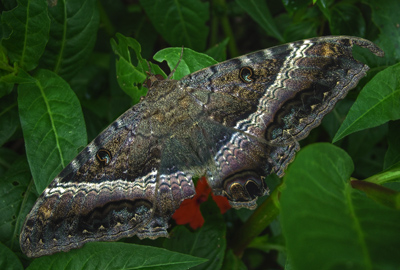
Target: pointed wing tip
x=372, y=47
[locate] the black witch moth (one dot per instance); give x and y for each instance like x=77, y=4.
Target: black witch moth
x=234, y=122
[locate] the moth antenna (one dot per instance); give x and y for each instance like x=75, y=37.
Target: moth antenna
x=177, y=64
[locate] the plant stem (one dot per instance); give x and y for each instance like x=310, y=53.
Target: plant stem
x=260, y=219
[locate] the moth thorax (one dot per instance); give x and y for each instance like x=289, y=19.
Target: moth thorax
x=152, y=80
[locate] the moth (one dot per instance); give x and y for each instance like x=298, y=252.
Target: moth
x=235, y=122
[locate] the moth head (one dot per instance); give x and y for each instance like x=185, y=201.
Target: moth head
x=152, y=79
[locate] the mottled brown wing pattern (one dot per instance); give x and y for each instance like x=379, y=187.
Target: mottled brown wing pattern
x=235, y=122
x=272, y=98
x=114, y=188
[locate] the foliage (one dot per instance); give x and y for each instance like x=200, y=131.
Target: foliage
x=59, y=70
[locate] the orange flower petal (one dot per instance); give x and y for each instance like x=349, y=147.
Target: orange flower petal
x=202, y=187
x=222, y=203
x=189, y=210
x=197, y=220
x=186, y=212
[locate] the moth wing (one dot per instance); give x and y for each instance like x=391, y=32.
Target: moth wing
x=238, y=162
x=279, y=94
x=112, y=189
x=271, y=99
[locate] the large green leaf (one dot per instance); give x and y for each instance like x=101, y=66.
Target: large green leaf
x=328, y=224
x=74, y=26
x=232, y=262
x=30, y=26
x=218, y=51
x=131, y=69
x=116, y=256
x=347, y=19
x=366, y=150
x=378, y=103
x=299, y=28
x=385, y=15
x=8, y=260
x=17, y=197
x=189, y=61
x=259, y=11
x=9, y=120
x=7, y=157
x=324, y=7
x=5, y=69
x=5, y=87
x=392, y=155
x=293, y=6
x=52, y=123
x=180, y=22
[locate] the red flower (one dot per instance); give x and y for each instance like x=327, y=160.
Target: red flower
x=189, y=210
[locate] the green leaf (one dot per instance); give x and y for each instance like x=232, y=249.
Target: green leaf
x=30, y=26
x=293, y=6
x=335, y=118
x=16, y=200
x=259, y=11
x=190, y=61
x=366, y=150
x=7, y=157
x=17, y=76
x=52, y=123
x=304, y=25
x=116, y=256
x=347, y=19
x=301, y=30
x=4, y=61
x=376, y=104
x=181, y=23
x=8, y=260
x=231, y=262
x=385, y=15
x=9, y=120
x=5, y=87
x=323, y=6
x=265, y=244
x=208, y=242
x=329, y=225
x=218, y=52
x=130, y=72
x=393, y=152
x=73, y=32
